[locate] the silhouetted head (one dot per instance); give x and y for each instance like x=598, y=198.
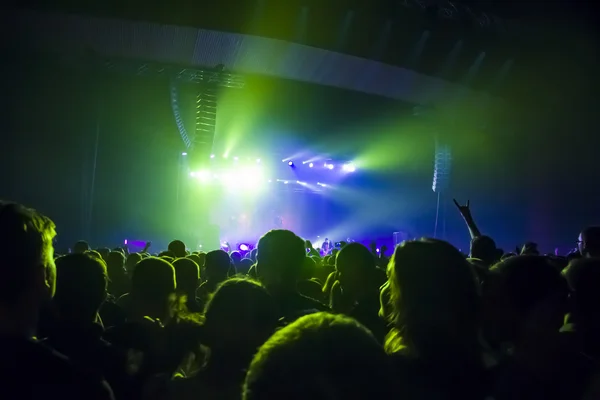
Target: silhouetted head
x=355, y=266
x=321, y=357
x=236, y=257
x=240, y=316
x=217, y=265
x=198, y=259
x=516, y=291
x=187, y=275
x=82, y=282
x=244, y=266
x=103, y=252
x=81, y=247
x=589, y=242
x=115, y=262
x=132, y=260
x=177, y=248
x=280, y=259
x=530, y=248
x=484, y=248
x=152, y=285
x=27, y=270
x=434, y=299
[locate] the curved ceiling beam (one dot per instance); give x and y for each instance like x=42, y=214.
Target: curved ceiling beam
x=244, y=54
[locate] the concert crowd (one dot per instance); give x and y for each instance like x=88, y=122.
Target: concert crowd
x=288, y=321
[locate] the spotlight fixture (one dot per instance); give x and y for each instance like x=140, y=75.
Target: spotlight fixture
x=291, y=163
x=310, y=165
x=212, y=156
x=184, y=154
x=244, y=247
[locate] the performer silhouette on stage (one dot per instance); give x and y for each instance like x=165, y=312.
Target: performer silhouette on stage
x=326, y=246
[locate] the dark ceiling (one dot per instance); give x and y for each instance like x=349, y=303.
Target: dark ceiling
x=547, y=40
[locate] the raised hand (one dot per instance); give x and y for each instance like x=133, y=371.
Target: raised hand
x=464, y=210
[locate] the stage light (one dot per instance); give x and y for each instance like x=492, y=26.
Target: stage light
x=310, y=165
x=258, y=160
x=203, y=175
x=349, y=167
x=235, y=158
x=212, y=156
x=285, y=182
x=290, y=163
x=184, y=154
x=329, y=166
x=244, y=247
x=225, y=155
x=227, y=179
x=192, y=174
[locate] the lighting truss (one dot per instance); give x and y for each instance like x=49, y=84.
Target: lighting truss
x=216, y=76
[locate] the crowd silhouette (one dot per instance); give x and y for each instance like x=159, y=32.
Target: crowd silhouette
x=287, y=321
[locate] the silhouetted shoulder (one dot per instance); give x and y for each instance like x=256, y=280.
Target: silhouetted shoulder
x=31, y=370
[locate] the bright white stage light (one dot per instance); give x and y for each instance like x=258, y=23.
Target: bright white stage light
x=184, y=154
x=329, y=166
x=200, y=175
x=203, y=175
x=310, y=165
x=212, y=156
x=349, y=167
